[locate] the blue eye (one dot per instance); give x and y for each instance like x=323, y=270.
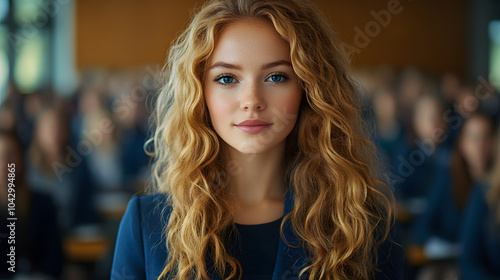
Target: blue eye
x=277, y=78
x=225, y=80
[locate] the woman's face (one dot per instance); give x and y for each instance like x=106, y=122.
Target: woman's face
x=477, y=142
x=50, y=133
x=384, y=105
x=428, y=120
x=251, y=90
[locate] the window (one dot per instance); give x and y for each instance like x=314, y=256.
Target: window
x=4, y=50
x=494, y=31
x=25, y=38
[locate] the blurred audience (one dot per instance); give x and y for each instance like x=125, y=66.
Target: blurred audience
x=439, y=227
x=437, y=144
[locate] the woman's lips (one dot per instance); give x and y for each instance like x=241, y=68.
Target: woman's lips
x=253, y=126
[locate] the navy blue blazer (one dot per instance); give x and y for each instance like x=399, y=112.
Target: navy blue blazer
x=443, y=217
x=480, y=258
x=140, y=251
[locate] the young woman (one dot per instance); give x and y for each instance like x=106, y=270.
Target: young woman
x=426, y=137
x=438, y=229
x=471, y=161
x=262, y=169
x=480, y=258
x=56, y=171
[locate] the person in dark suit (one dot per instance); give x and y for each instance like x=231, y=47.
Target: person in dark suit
x=471, y=162
x=480, y=258
x=60, y=170
x=262, y=169
x=481, y=236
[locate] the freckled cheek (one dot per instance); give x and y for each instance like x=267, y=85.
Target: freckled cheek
x=290, y=103
x=221, y=110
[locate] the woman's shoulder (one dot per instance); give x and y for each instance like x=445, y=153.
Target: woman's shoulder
x=139, y=251
x=148, y=200
x=150, y=210
x=149, y=206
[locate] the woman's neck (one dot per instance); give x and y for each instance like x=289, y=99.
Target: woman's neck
x=256, y=177
x=257, y=184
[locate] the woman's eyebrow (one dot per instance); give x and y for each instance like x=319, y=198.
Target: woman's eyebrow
x=221, y=64
x=225, y=65
x=277, y=63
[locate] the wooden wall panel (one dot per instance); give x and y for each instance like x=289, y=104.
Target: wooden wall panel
x=131, y=33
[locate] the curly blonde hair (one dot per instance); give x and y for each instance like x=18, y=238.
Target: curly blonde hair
x=342, y=211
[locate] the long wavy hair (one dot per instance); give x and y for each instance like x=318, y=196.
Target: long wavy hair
x=341, y=212
x=54, y=118
x=462, y=180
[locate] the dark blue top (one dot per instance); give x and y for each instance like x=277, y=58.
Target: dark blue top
x=133, y=157
x=255, y=247
x=417, y=167
x=481, y=241
x=443, y=217
x=140, y=251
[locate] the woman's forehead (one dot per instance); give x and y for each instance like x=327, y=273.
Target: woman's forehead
x=250, y=40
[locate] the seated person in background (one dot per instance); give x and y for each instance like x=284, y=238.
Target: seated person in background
x=60, y=170
x=105, y=162
x=390, y=132
x=480, y=258
x=423, y=158
x=439, y=227
x=37, y=240
x=412, y=84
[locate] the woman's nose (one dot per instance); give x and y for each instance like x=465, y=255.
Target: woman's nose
x=252, y=99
